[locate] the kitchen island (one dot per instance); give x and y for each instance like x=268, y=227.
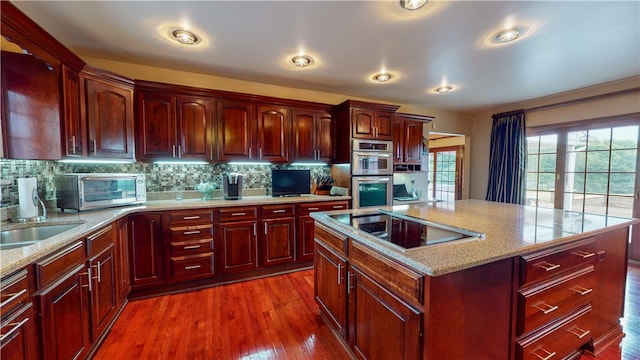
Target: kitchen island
x=519, y=282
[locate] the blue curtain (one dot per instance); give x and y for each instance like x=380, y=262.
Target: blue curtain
x=508, y=158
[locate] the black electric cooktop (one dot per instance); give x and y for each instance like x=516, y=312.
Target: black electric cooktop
x=402, y=231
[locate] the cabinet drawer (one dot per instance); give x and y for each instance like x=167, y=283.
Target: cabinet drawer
x=191, y=246
x=238, y=213
x=14, y=290
x=333, y=240
x=99, y=240
x=394, y=277
x=272, y=211
x=192, y=266
x=190, y=217
x=54, y=266
x=193, y=232
x=306, y=209
x=559, y=340
x=544, y=302
x=545, y=264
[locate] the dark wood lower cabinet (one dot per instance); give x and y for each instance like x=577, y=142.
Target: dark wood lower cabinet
x=20, y=335
x=145, y=250
x=64, y=316
x=277, y=241
x=238, y=246
x=381, y=325
x=331, y=287
x=103, y=290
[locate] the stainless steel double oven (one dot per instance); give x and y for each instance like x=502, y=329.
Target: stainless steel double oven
x=371, y=173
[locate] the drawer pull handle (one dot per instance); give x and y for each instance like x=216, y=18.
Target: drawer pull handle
x=238, y=214
x=547, y=354
x=545, y=308
x=189, y=247
x=580, y=333
x=337, y=206
x=15, y=328
x=192, y=267
x=191, y=232
x=580, y=290
x=12, y=296
x=314, y=209
x=190, y=217
x=278, y=211
x=547, y=266
x=584, y=254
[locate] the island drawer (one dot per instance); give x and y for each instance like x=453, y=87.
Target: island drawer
x=191, y=246
x=558, y=341
x=544, y=302
x=14, y=291
x=332, y=239
x=405, y=282
x=306, y=209
x=273, y=211
x=55, y=265
x=551, y=262
x=238, y=213
x=192, y=266
x=190, y=217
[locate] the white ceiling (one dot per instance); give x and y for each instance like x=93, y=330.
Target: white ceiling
x=569, y=45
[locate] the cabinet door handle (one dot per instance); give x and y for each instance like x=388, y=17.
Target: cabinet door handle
x=95, y=146
x=12, y=296
x=89, y=279
x=339, y=273
x=265, y=229
x=15, y=328
x=581, y=290
x=260, y=153
x=249, y=152
x=545, y=308
x=278, y=211
x=349, y=282
x=99, y=272
x=547, y=266
x=190, y=217
x=189, y=247
x=238, y=214
x=580, y=333
x=546, y=356
x=191, y=232
x=584, y=254
x=173, y=151
x=179, y=151
x=192, y=267
x=73, y=144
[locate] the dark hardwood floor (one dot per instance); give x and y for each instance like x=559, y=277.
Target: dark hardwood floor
x=270, y=318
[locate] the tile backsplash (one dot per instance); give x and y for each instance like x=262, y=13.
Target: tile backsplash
x=160, y=177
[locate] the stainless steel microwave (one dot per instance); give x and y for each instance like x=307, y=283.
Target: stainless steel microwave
x=99, y=190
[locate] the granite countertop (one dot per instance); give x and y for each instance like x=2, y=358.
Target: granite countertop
x=510, y=230
x=89, y=221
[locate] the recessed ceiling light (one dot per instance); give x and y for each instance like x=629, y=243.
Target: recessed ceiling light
x=412, y=4
x=185, y=37
x=509, y=35
x=382, y=77
x=443, y=89
x=301, y=60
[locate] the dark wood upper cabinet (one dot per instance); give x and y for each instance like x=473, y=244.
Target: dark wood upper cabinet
x=369, y=124
x=30, y=108
x=74, y=128
x=174, y=126
x=407, y=137
x=109, y=114
x=235, y=129
x=273, y=132
x=312, y=138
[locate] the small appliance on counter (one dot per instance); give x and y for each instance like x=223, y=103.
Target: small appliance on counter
x=232, y=186
x=88, y=191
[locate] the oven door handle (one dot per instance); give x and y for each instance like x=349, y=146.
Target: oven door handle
x=373, y=179
x=372, y=154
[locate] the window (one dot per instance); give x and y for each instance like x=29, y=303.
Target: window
x=445, y=166
x=541, y=170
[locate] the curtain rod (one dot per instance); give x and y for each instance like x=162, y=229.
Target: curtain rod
x=571, y=102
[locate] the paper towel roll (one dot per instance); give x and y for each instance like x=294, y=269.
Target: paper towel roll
x=26, y=186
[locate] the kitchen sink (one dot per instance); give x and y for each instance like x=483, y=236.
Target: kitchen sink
x=11, y=239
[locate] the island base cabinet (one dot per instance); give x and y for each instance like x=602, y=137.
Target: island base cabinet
x=20, y=335
x=381, y=326
x=330, y=288
x=64, y=312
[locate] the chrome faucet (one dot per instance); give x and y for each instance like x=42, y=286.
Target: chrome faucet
x=36, y=200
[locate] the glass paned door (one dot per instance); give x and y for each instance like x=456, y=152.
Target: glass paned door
x=541, y=170
x=445, y=169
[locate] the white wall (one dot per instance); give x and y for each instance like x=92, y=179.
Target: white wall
x=610, y=106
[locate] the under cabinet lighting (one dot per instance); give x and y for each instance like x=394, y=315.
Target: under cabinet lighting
x=308, y=164
x=249, y=163
x=96, y=161
x=178, y=162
